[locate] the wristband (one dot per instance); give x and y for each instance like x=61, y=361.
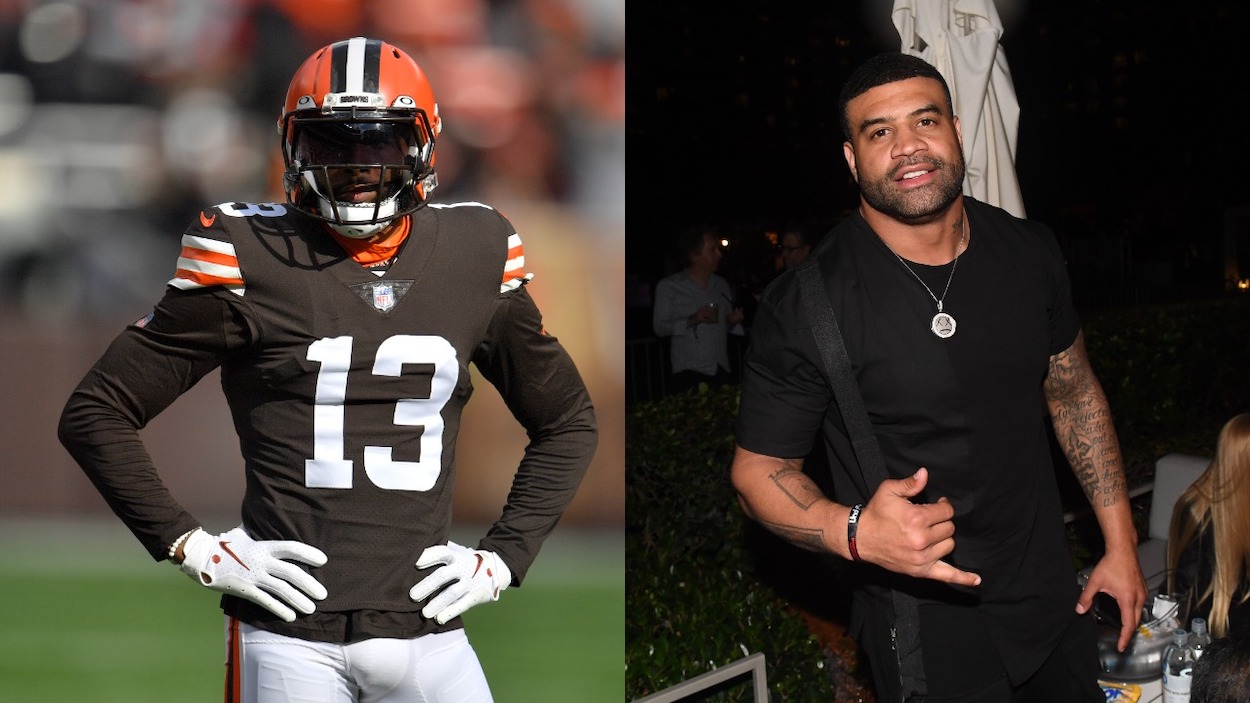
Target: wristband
x=852, y=525
x=173, y=548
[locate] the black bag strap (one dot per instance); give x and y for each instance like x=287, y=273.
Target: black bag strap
x=838, y=364
x=906, y=621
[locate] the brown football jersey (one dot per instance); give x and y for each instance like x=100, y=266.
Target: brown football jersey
x=346, y=388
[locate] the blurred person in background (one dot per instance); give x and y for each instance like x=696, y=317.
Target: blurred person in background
x=1209, y=537
x=695, y=309
x=796, y=243
x=344, y=322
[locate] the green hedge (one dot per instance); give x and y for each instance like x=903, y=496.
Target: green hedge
x=1173, y=375
x=705, y=586
x=694, y=598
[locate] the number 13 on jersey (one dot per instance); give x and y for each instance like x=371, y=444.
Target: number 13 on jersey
x=328, y=468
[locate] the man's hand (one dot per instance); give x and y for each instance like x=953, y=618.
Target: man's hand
x=910, y=538
x=1118, y=574
x=238, y=565
x=705, y=315
x=466, y=578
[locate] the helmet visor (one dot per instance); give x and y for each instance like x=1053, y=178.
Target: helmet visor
x=342, y=143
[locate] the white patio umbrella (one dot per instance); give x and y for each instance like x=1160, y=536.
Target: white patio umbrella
x=961, y=38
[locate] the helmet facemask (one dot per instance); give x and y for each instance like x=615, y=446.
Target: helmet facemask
x=358, y=171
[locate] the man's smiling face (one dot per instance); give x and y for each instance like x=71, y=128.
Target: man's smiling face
x=905, y=149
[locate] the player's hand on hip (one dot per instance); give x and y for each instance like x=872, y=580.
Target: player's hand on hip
x=260, y=571
x=910, y=538
x=466, y=577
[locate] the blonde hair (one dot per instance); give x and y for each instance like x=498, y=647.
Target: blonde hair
x=1218, y=498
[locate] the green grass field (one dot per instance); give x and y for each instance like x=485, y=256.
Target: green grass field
x=86, y=616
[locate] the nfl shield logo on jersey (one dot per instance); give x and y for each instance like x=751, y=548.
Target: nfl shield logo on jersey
x=383, y=297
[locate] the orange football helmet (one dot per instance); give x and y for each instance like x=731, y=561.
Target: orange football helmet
x=358, y=132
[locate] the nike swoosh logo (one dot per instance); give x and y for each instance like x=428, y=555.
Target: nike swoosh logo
x=225, y=546
x=479, y=563
x=206, y=219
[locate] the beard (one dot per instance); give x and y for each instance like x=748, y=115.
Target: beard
x=921, y=203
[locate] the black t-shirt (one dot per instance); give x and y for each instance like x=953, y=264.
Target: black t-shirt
x=970, y=408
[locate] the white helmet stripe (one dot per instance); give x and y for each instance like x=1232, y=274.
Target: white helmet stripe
x=355, y=65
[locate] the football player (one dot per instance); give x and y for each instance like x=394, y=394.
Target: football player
x=343, y=322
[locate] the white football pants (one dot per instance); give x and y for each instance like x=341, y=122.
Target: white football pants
x=263, y=667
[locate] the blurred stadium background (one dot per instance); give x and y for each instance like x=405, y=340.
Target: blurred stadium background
x=119, y=120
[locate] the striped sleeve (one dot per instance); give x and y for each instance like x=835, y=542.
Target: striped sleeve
x=514, y=273
x=206, y=262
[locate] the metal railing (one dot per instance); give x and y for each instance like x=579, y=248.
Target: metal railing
x=752, y=665
x=646, y=370
x=647, y=367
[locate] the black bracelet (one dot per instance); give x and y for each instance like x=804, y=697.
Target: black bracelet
x=852, y=526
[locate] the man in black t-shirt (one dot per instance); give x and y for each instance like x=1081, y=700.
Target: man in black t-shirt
x=959, y=325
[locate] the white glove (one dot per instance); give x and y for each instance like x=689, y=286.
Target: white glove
x=238, y=565
x=470, y=577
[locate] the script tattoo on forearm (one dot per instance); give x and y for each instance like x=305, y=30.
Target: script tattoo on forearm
x=1084, y=427
x=803, y=492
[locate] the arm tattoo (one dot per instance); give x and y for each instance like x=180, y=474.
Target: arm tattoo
x=796, y=485
x=811, y=539
x=802, y=491
x=1084, y=427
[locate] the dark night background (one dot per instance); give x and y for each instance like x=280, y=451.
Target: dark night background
x=1130, y=141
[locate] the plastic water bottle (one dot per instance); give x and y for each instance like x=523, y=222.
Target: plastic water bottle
x=1200, y=639
x=1178, y=668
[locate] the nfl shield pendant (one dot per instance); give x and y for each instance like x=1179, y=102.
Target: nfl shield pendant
x=943, y=325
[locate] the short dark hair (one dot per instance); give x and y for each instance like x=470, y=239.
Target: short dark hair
x=889, y=67
x=1222, y=675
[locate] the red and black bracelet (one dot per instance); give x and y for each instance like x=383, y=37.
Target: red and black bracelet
x=852, y=526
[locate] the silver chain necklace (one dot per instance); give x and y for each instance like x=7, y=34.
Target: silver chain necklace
x=943, y=325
